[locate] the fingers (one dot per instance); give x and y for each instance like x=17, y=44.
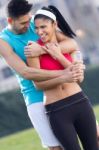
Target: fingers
x=80, y=79
x=52, y=45
x=74, y=75
x=79, y=67
x=44, y=48
x=32, y=50
x=28, y=51
x=56, y=44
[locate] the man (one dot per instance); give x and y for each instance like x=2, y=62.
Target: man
x=13, y=39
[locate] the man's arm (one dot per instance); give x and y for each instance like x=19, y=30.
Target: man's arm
x=69, y=77
x=67, y=44
x=71, y=74
x=20, y=67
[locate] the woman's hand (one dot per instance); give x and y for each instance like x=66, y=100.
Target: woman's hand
x=53, y=49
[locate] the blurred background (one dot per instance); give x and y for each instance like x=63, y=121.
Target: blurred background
x=83, y=17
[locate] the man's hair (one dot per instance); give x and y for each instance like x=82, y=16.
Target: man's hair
x=17, y=8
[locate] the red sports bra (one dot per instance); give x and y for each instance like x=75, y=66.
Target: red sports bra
x=48, y=63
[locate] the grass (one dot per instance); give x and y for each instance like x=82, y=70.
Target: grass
x=96, y=110
x=28, y=139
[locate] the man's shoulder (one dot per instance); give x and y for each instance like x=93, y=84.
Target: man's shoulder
x=3, y=34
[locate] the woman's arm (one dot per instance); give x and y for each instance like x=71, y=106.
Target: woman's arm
x=54, y=50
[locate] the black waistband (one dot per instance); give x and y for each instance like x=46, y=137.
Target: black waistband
x=68, y=101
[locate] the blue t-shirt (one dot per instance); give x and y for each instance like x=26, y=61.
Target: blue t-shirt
x=18, y=42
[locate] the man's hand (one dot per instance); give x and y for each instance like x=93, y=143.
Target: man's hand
x=75, y=72
x=33, y=49
x=81, y=68
x=79, y=65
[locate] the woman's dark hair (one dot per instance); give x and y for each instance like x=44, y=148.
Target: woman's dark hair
x=62, y=24
x=40, y=16
x=17, y=8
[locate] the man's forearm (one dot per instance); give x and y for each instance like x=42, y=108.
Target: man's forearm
x=68, y=46
x=21, y=68
x=70, y=75
x=31, y=73
x=40, y=74
x=45, y=85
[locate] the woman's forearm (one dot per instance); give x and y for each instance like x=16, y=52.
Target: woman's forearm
x=63, y=61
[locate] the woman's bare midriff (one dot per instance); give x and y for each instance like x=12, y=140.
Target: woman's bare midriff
x=61, y=92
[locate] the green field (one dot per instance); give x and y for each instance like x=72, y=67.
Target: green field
x=96, y=110
x=27, y=140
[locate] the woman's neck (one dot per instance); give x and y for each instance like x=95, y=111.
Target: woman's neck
x=52, y=40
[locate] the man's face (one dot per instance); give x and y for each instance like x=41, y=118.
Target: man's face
x=21, y=24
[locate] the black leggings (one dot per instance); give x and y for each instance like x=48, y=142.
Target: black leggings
x=72, y=116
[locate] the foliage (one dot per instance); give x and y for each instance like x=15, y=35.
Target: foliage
x=26, y=140
x=13, y=115
x=91, y=84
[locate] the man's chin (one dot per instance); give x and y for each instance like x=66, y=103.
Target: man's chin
x=23, y=31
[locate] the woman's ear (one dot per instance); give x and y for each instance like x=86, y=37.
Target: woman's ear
x=56, y=24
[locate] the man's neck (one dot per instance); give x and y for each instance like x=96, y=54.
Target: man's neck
x=10, y=28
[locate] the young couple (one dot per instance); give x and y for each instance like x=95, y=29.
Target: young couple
x=66, y=104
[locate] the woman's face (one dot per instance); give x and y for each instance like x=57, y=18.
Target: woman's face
x=45, y=28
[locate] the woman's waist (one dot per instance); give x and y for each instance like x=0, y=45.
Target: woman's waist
x=61, y=92
x=66, y=102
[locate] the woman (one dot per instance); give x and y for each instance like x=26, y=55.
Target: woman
x=69, y=110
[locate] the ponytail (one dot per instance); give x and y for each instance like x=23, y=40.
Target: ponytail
x=62, y=24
